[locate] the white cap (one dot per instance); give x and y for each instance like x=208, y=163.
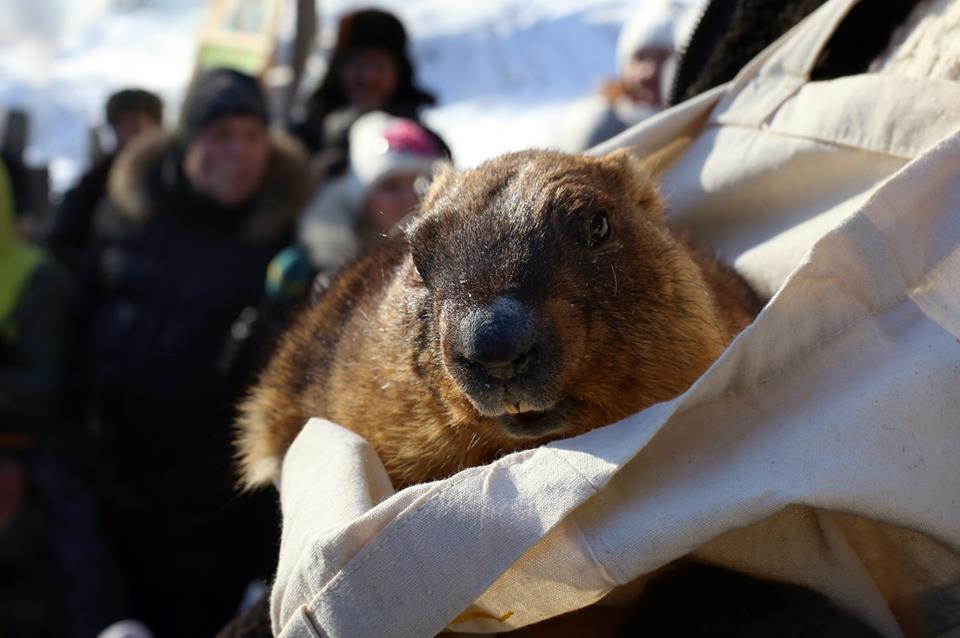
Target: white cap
x=653, y=27
x=382, y=145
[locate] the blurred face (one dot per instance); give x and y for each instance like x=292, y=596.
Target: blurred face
x=643, y=75
x=369, y=78
x=130, y=125
x=391, y=200
x=227, y=160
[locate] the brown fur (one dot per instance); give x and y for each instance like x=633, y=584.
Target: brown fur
x=628, y=323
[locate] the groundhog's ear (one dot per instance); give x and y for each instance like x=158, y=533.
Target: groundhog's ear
x=442, y=175
x=663, y=158
x=422, y=236
x=638, y=183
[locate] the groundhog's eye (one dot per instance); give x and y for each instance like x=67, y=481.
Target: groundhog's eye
x=598, y=230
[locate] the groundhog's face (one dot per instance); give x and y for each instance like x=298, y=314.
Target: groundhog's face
x=559, y=300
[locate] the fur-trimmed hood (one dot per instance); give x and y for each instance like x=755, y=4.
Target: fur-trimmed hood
x=285, y=190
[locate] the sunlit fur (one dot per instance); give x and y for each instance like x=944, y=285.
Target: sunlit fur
x=635, y=319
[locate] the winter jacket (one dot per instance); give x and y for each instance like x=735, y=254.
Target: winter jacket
x=171, y=270
x=596, y=119
x=70, y=234
x=34, y=298
x=32, y=361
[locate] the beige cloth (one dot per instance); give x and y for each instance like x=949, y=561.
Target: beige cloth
x=823, y=448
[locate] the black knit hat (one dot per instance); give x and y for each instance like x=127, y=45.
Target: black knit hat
x=128, y=101
x=371, y=29
x=219, y=93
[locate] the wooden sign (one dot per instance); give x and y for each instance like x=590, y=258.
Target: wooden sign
x=269, y=39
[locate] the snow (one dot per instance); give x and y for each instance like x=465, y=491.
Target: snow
x=505, y=71
x=62, y=66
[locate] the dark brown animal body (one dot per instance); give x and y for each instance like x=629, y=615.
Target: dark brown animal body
x=536, y=297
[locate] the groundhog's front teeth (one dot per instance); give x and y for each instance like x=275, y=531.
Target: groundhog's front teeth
x=518, y=408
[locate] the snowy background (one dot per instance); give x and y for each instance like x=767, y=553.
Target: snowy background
x=505, y=71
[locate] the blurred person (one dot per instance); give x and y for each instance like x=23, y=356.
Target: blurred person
x=55, y=462
x=52, y=558
x=191, y=222
x=369, y=69
x=32, y=297
x=390, y=159
x=646, y=49
x=18, y=176
x=129, y=113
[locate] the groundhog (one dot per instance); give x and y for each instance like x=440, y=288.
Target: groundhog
x=535, y=297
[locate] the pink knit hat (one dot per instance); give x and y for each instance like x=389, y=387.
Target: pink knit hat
x=382, y=145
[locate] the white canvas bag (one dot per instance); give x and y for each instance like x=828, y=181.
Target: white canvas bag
x=823, y=448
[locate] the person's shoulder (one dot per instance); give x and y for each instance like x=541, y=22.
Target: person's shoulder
x=128, y=188
x=306, y=132
x=589, y=121
x=284, y=191
x=289, y=179
x=50, y=285
x=95, y=177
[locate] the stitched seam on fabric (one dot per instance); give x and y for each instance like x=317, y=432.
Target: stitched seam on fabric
x=624, y=578
x=311, y=623
x=876, y=200
x=592, y=554
x=933, y=272
x=929, y=273
x=620, y=578
x=302, y=576
x=879, y=202
x=586, y=479
x=810, y=138
x=820, y=345
x=889, y=152
x=836, y=334
x=306, y=569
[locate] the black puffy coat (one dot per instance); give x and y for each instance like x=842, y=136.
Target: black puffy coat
x=70, y=233
x=170, y=271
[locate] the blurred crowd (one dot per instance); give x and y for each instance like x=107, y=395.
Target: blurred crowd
x=130, y=328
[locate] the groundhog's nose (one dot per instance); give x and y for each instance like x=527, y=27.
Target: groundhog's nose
x=500, y=338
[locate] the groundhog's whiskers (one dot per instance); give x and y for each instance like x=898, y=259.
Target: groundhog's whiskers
x=474, y=439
